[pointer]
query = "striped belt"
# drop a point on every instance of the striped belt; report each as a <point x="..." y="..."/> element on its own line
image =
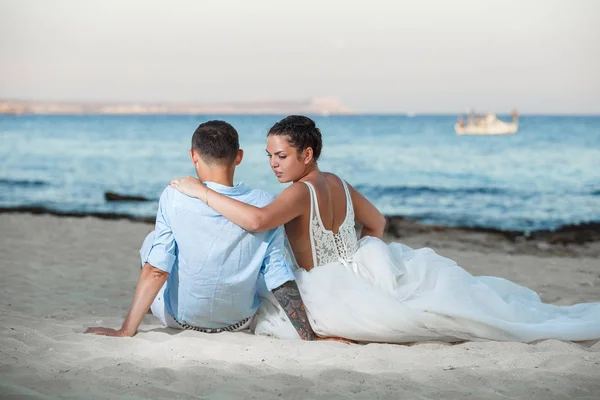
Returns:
<point x="229" y="328"/>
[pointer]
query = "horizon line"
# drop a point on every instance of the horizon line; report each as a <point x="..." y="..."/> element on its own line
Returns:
<point x="327" y="115"/>
<point x="324" y="112"/>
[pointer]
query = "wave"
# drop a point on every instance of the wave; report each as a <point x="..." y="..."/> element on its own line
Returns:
<point x="382" y="190"/>
<point x="418" y="190"/>
<point x="22" y="182"/>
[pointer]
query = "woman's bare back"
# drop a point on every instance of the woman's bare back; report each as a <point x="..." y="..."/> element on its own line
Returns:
<point x="331" y="198"/>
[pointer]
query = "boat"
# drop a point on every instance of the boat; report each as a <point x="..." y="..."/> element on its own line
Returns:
<point x="488" y="124"/>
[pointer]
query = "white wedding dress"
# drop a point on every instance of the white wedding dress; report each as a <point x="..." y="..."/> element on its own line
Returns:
<point x="369" y="291"/>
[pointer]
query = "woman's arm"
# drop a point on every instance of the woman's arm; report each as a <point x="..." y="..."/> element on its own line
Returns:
<point x="367" y="215"/>
<point x="287" y="206"/>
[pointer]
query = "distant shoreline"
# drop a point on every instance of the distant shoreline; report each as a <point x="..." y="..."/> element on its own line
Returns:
<point x="318" y="106"/>
<point x="279" y="114"/>
<point x="327" y="106"/>
<point x="397" y="227"/>
<point x="283" y="113"/>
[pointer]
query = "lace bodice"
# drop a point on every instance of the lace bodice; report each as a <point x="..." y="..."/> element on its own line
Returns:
<point x="328" y="246"/>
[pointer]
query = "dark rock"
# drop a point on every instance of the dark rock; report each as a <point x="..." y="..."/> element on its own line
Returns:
<point x="111" y="196"/>
<point x="570" y="234"/>
<point x="399" y="226"/>
<point x="38" y="210"/>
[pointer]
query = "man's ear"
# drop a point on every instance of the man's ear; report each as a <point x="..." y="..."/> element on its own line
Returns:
<point x="194" y="156"/>
<point x="308" y="155"/>
<point x="239" y="157"/>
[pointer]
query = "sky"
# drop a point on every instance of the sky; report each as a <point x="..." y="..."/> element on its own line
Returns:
<point x="540" y="56"/>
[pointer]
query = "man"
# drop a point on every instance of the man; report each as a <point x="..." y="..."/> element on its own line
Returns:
<point x="200" y="271"/>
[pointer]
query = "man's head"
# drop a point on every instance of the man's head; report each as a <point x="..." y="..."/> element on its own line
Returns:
<point x="215" y="145"/>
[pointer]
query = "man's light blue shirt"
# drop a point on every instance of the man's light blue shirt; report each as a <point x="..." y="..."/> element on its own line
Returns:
<point x="214" y="265"/>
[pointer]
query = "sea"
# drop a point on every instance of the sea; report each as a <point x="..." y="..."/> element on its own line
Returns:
<point x="545" y="176"/>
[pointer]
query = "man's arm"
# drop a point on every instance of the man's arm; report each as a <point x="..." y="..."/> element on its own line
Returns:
<point x="149" y="284"/>
<point x="288" y="296"/>
<point x="158" y="263"/>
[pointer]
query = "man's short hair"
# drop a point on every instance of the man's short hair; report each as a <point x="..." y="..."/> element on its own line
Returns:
<point x="216" y="142"/>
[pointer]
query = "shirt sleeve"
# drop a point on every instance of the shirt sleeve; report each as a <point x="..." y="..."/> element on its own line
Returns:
<point x="163" y="253"/>
<point x="276" y="269"/>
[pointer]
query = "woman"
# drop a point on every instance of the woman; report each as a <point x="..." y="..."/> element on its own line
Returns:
<point x="369" y="291"/>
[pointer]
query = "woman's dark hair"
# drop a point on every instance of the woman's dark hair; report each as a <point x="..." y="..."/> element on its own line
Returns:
<point x="301" y="133"/>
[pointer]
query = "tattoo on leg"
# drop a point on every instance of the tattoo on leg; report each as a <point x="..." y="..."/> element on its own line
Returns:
<point x="288" y="296"/>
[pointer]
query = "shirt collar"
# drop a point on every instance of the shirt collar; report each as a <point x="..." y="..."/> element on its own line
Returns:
<point x="217" y="187"/>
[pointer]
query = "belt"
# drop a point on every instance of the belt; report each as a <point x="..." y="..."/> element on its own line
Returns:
<point x="229" y="328"/>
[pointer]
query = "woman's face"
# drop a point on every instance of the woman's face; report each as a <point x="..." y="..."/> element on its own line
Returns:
<point x="284" y="159"/>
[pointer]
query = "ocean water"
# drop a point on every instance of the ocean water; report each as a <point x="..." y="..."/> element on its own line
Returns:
<point x="545" y="176"/>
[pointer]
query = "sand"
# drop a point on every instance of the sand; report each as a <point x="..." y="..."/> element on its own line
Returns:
<point x="60" y="275"/>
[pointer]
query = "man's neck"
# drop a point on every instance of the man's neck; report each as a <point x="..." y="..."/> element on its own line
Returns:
<point x="221" y="176"/>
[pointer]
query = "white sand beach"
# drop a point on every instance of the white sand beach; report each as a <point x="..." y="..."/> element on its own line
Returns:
<point x="60" y="275"/>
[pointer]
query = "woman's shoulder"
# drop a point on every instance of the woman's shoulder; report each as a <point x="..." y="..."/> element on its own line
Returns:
<point x="328" y="178"/>
<point x="296" y="189"/>
<point x="333" y="178"/>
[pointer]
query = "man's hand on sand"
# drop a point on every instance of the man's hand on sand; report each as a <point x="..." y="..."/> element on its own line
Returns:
<point x="98" y="330"/>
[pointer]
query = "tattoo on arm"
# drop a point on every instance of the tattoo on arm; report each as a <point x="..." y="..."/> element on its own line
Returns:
<point x="288" y="296"/>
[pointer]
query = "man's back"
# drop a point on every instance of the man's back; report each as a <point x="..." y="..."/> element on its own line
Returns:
<point x="213" y="264"/>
